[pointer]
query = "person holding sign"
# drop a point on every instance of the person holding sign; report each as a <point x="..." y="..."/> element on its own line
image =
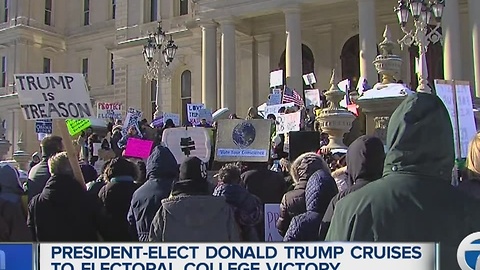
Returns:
<point x="471" y="183"/>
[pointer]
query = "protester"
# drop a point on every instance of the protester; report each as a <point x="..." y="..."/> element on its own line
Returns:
<point x="88" y="171"/>
<point x="12" y="189"/>
<point x="93" y="143"/>
<point x="267" y="185"/>
<point x="203" y="123"/>
<point x="12" y="222"/>
<point x="142" y="171"/>
<point x="293" y="202"/>
<point x="471" y="185"/>
<point x="116" y="196"/>
<point x="341" y="178"/>
<point x="63" y="212"/>
<point x="191" y="214"/>
<point x="285" y="169"/>
<point x="161" y="171"/>
<point x="320" y="189"/>
<point x="35" y="160"/>
<point x="252" y="114"/>
<point x="132" y="133"/>
<point x="248" y="208"/>
<point x="39" y="174"/>
<point x="116" y="137"/>
<point x="169" y="124"/>
<point x="365" y="158"/>
<point x="94" y="187"/>
<point x="233" y="116"/>
<point x="414" y="201"/>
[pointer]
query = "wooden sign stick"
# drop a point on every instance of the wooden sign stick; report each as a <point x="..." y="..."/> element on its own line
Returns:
<point x="71" y="151"/>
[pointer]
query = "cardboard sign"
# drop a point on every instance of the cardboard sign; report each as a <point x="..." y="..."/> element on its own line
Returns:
<point x="243" y="140"/>
<point x="312" y="98"/>
<point x="43" y="126"/>
<point x="273" y="109"/>
<point x="457" y="99"/>
<point x="138" y="148"/>
<point x="107" y="110"/>
<point x="289" y="122"/>
<point x="274" y="99"/>
<point x="276" y="78"/>
<point x="309" y="79"/>
<point x="53" y="96"/>
<point x="192" y="112"/>
<point x="344" y="85"/>
<point x="205" y="114"/>
<point x="193" y="141"/>
<point x="272" y="213"/>
<point x="76" y="126"/>
<point x="175" y="118"/>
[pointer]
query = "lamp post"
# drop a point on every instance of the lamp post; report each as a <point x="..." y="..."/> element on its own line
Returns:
<point x="427" y="17"/>
<point x="158" y="54"/>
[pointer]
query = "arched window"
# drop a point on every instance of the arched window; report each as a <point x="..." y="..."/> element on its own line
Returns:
<point x="186" y="92"/>
<point x="308" y="63"/>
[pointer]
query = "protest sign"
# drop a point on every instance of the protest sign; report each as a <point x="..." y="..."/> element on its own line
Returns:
<point x="76" y="126"/>
<point x="96" y="147"/>
<point x="344" y="85"/>
<point x="271" y="215"/>
<point x="192" y="112"/>
<point x="138" y="148"/>
<point x="44" y="126"/>
<point x="273" y="109"/>
<point x="274" y="98"/>
<point x="241" y="140"/>
<point x="205" y="114"/>
<point x="309" y="79"/>
<point x="276" y="78"/>
<point x="312" y="98"/>
<point x="289" y="122"/>
<point x="41" y="136"/>
<point x="53" y="96"/>
<point x="175" y="118"/>
<point x="457" y="98"/>
<point x="106" y="110"/>
<point x="131" y="120"/>
<point x="183" y="142"/>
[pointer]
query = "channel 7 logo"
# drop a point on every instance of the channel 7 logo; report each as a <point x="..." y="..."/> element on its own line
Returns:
<point x="17" y="257"/>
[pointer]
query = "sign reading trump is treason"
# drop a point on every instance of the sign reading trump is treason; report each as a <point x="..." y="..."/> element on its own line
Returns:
<point x="53" y="96"/>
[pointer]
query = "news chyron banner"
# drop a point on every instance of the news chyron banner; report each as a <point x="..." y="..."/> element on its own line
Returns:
<point x="226" y="256"/>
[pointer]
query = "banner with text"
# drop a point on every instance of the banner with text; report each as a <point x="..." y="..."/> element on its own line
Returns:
<point x="106" y="110"/>
<point x="193" y="111"/>
<point x="53" y="96"/>
<point x="273" y="109"/>
<point x="289" y="122"/>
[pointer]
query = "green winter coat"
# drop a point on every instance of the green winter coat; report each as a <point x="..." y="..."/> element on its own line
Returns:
<point x="414" y="201"/>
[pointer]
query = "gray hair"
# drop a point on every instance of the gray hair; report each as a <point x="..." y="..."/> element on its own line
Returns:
<point x="59" y="164"/>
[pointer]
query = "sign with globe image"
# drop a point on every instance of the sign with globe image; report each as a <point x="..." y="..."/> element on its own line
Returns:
<point x="243" y="140"/>
<point x="243" y="134"/>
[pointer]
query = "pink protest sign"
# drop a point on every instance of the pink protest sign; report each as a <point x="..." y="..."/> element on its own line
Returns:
<point x="138" y="148"/>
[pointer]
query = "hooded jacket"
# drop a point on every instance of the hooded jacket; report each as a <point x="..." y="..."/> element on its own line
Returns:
<point x="293" y="202"/>
<point x="414" y="201"/>
<point x="191" y="214"/>
<point x="321" y="187"/>
<point x="63" y="212"/>
<point x="162" y="171"/>
<point x="12" y="223"/>
<point x="365" y="158"/>
<point x="10" y="187"/>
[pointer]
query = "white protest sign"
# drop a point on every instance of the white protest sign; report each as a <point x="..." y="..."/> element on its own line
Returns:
<point x="198" y="137"/>
<point x="344" y="85"/>
<point x="192" y="112"/>
<point x="205" y="114"/>
<point x="276" y="78"/>
<point x="53" y="96"/>
<point x="463" y="123"/>
<point x="107" y="110"/>
<point x="131" y="120"/>
<point x="361" y="85"/>
<point x="272" y="213"/>
<point x="174" y="116"/>
<point x="273" y="109"/>
<point x="289" y="122"/>
<point x="309" y="79"/>
<point x="312" y="97"/>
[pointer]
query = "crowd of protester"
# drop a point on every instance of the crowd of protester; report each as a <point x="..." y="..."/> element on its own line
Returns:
<point x="401" y="195"/>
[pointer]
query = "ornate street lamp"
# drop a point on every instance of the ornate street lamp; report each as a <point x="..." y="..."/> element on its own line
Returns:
<point x="425" y="31"/>
<point x="158" y="54"/>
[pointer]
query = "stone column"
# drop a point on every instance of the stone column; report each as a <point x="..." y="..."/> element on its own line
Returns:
<point x="452" y="58"/>
<point x="368" y="39"/>
<point x="293" y="55"/>
<point x="4" y="143"/>
<point x="209" y="65"/>
<point x="228" y="66"/>
<point x="474" y="11"/>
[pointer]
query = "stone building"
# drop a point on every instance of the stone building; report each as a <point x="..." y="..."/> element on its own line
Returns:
<point x="226" y="48"/>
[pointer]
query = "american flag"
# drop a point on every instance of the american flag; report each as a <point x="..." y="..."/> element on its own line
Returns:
<point x="290" y="95"/>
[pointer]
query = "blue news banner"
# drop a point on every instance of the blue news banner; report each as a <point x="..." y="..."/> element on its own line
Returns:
<point x="229" y="256"/>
